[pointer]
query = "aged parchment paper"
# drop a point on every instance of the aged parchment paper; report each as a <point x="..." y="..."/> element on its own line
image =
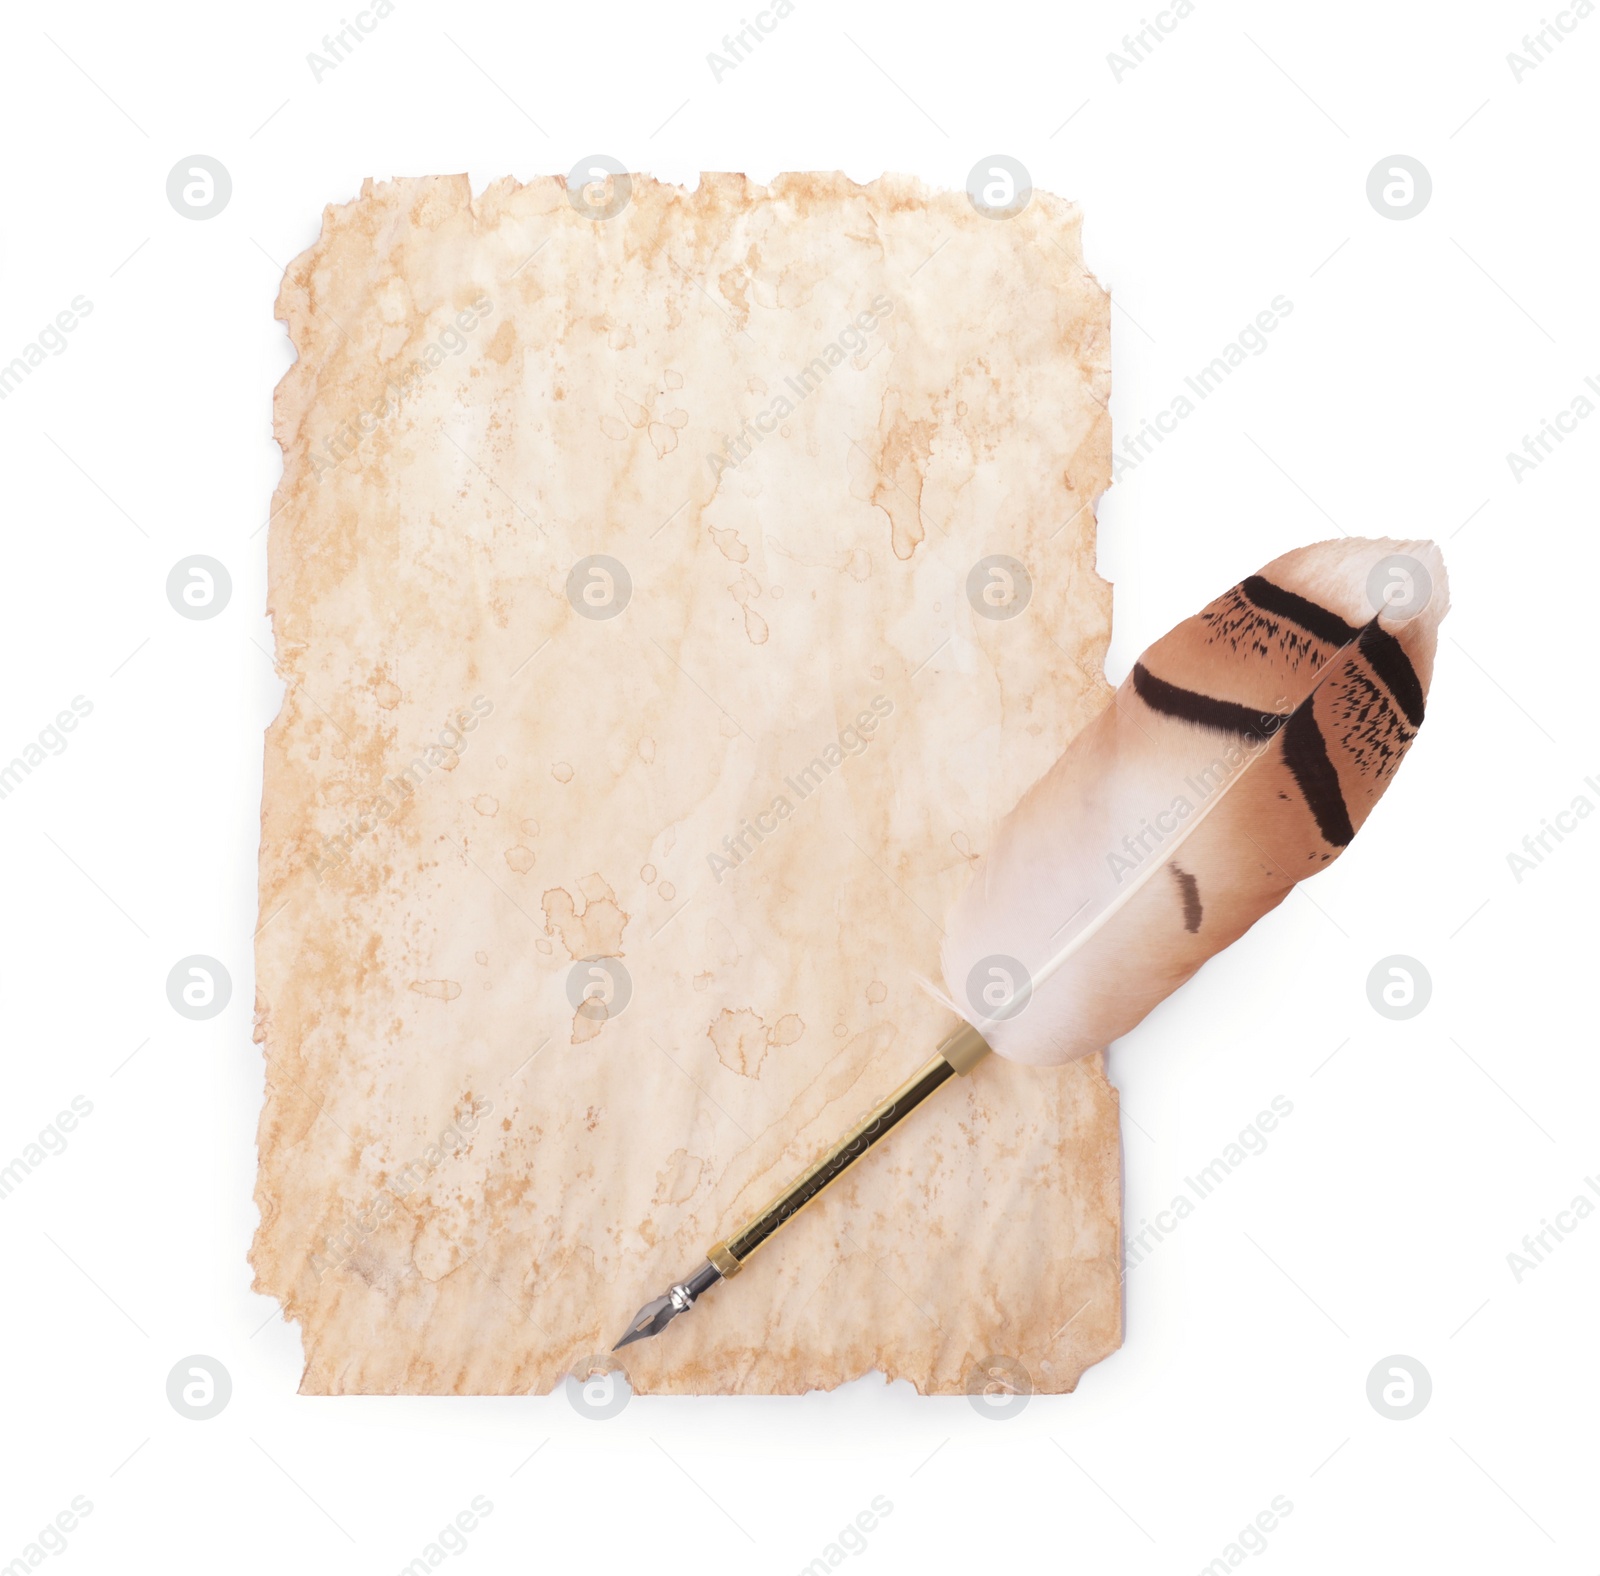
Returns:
<point x="791" y="420"/>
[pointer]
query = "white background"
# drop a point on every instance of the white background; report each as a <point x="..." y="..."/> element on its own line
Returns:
<point x="1228" y="168"/>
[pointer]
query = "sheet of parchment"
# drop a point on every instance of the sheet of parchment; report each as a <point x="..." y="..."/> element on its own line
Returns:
<point x="720" y="797"/>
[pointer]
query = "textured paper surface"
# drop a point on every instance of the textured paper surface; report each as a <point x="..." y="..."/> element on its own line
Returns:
<point x="467" y="1186"/>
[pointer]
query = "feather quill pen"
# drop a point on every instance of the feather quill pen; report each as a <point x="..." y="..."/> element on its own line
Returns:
<point x="1242" y="754"/>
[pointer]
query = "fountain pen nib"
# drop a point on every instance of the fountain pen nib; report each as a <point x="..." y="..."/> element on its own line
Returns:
<point x="650" y="1320"/>
<point x="660" y="1311"/>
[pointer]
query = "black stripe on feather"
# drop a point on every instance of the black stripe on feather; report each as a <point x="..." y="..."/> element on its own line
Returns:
<point x="1325" y="624"/>
<point x="1388" y="659"/>
<point x="1306" y="756"/>
<point x="1205" y="711"/>
<point x="1189" y="892"/>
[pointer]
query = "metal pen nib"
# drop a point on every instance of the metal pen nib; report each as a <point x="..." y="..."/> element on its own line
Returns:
<point x="958" y="1055"/>
<point x="660" y="1311"/>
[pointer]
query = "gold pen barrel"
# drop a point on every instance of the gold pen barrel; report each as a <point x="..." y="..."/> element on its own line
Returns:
<point x="958" y="1055"/>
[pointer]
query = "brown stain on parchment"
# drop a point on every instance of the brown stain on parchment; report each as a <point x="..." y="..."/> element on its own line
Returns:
<point x="742" y="1040"/>
<point x="678" y="1180"/>
<point x="595" y="931"/>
